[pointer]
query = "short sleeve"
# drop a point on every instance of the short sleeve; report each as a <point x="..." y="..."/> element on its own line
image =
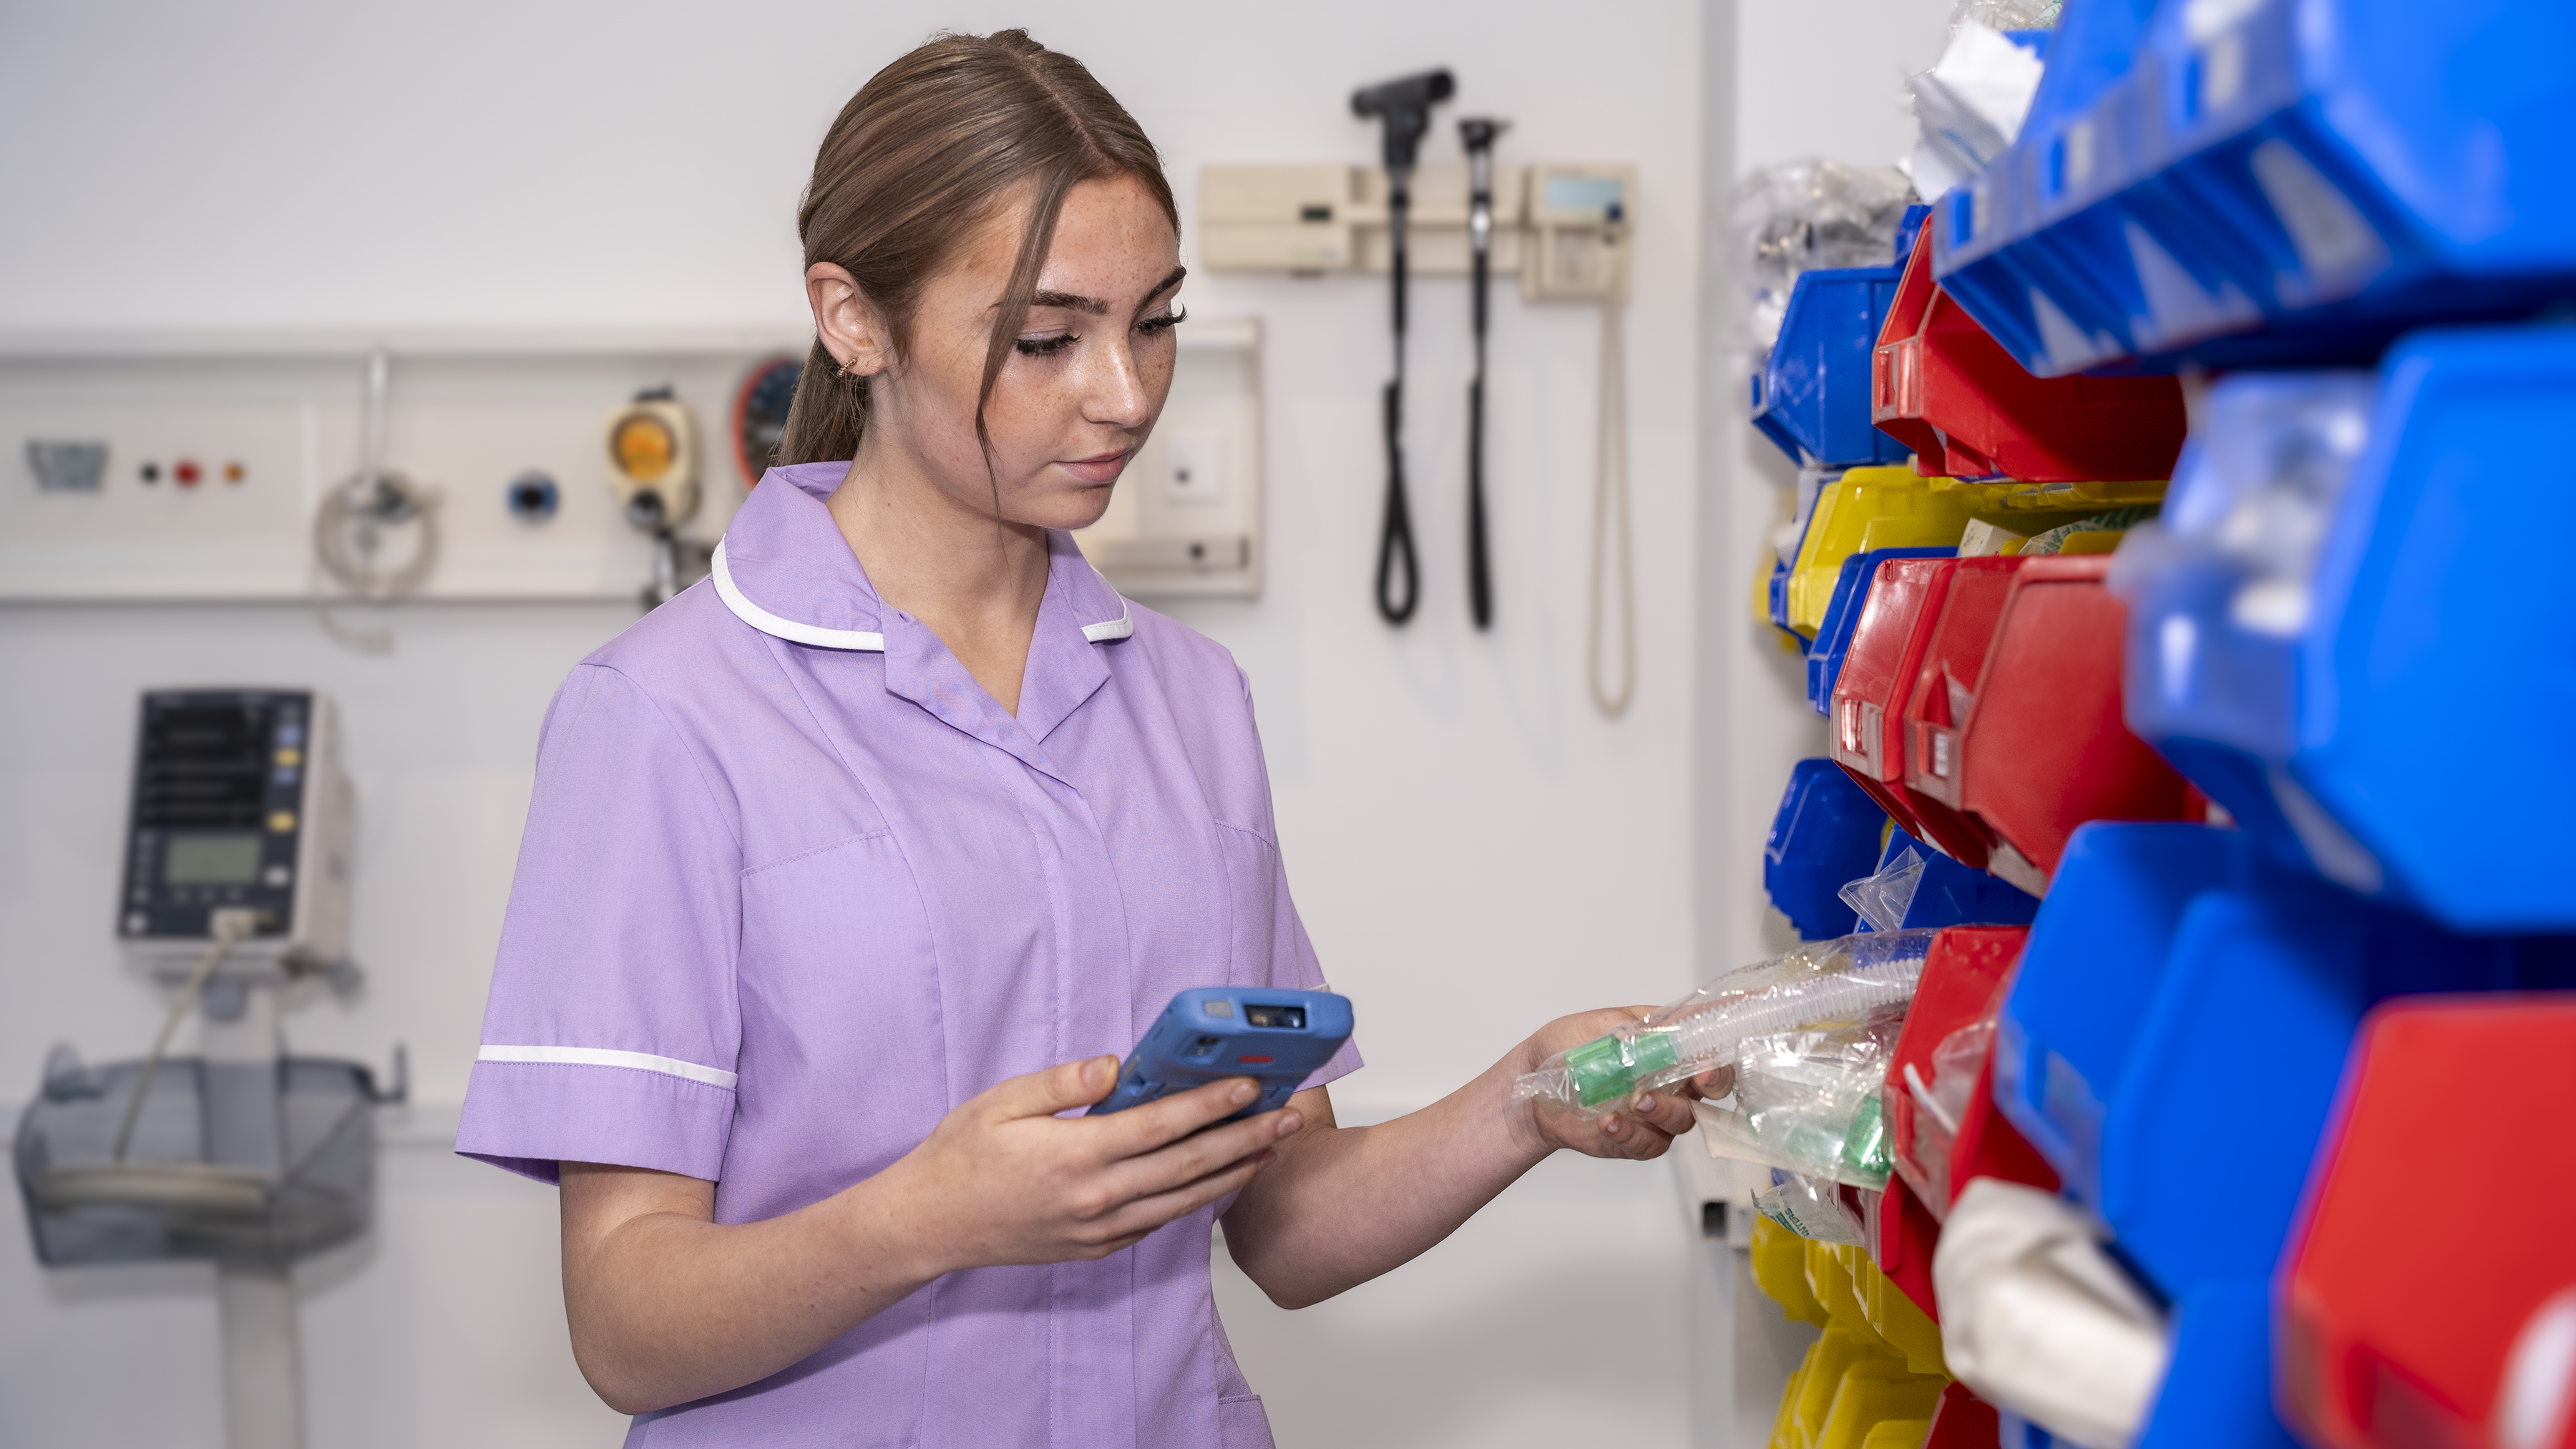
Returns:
<point x="1293" y="964"/>
<point x="612" y="1031"/>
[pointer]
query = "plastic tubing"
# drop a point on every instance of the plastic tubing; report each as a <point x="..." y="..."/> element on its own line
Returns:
<point x="1612" y="1066"/>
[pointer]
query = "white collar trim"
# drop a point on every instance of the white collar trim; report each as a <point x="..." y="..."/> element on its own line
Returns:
<point x="861" y="640"/>
<point x="1108" y="629"/>
<point x="787" y="629"/>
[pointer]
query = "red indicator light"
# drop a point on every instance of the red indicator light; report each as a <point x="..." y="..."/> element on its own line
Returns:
<point x="187" y="473"/>
<point x="1256" y="1061"/>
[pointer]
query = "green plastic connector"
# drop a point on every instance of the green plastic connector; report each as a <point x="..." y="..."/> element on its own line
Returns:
<point x="1653" y="1052"/>
<point x="1867" y="1151"/>
<point x="1605" y="1068"/>
<point x="1600" y="1071"/>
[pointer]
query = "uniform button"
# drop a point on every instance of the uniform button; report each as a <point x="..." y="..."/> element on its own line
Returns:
<point x="282" y="822"/>
<point x="276" y="877"/>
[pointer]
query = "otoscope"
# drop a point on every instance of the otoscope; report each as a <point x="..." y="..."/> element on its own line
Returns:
<point x="1405" y="105"/>
<point x="1478" y="134"/>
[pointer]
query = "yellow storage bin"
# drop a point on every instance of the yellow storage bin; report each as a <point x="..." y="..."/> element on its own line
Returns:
<point x="1780" y="1271"/>
<point x="1906" y="1328"/>
<point x="1874" y="1393"/>
<point x="1783" y="1433"/>
<point x="1864" y="509"/>
<point x="1827" y="1365"/>
<point x="1897" y="1434"/>
<point x="1829" y="1275"/>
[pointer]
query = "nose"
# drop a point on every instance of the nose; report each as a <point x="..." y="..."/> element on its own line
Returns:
<point x="1117" y="393"/>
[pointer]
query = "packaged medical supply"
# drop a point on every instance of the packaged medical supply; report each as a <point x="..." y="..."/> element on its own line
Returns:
<point x="2040" y="1322"/>
<point x="1813" y="215"/>
<point x="1806" y="1035"/>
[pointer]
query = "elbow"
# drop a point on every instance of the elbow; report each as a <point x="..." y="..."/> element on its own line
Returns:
<point x="1287" y="1290"/>
<point x="621" y="1386"/>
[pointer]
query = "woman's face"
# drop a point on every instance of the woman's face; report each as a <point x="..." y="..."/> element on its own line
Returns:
<point x="1084" y="380"/>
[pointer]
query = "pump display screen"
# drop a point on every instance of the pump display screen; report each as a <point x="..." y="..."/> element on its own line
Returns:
<point x="211" y="860"/>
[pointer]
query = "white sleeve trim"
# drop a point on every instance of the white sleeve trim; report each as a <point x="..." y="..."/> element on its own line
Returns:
<point x="787" y="629"/>
<point x="603" y="1057"/>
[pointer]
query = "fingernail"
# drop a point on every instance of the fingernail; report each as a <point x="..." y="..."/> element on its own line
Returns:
<point x="1289" y="1122"/>
<point x="1609" y="1126"/>
<point x="1244" y="1092"/>
<point x="1646" y="1103"/>
<point x="1267" y="1157"/>
<point x="1095" y="1072"/>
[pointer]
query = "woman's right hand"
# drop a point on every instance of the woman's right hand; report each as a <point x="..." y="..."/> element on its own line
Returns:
<point x="1003" y="1179"/>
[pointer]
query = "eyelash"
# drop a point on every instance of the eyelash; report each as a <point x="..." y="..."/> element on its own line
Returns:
<point x="1041" y="346"/>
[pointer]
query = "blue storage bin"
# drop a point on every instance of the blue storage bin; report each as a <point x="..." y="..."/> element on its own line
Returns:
<point x="2097" y="954"/>
<point x="1812" y="397"/>
<point x="1842" y="617"/>
<point x="2367" y="709"/>
<point x="2297" y="182"/>
<point x="1825" y="836"/>
<point x="1951" y="894"/>
<point x="2217" y="1392"/>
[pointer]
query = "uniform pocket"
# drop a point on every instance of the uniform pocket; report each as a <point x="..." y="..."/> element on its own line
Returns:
<point x="1241" y="1423"/>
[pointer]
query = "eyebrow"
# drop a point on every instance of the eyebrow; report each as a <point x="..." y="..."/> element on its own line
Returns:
<point x="1093" y="306"/>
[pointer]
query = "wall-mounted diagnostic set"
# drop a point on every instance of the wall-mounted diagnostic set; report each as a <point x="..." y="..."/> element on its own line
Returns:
<point x="1564" y="227"/>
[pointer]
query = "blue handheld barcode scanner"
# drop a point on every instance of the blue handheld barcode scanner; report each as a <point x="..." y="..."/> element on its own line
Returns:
<point x="1277" y="1038"/>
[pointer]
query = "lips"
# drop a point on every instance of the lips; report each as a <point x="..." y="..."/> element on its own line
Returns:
<point x="1104" y="468"/>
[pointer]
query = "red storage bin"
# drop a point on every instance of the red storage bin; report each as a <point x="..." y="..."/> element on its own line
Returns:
<point x="1963" y="1421"/>
<point x="1990" y="1146"/>
<point x="1962" y="982"/>
<point x="2399" y="1312"/>
<point x="1868" y="738"/>
<point x="1943" y="387"/>
<point x="1945" y="681"/>
<point x="1902" y="1235"/>
<point x="2044" y="748"/>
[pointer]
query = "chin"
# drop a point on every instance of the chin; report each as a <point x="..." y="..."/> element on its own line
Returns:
<point x="1070" y="510"/>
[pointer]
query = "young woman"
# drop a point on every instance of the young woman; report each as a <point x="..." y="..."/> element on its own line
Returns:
<point x="853" y="867"/>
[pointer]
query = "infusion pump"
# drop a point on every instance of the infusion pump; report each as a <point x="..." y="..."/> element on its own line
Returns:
<point x="239" y="803"/>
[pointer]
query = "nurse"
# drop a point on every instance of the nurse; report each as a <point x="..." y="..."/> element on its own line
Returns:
<point x="852" y="867"/>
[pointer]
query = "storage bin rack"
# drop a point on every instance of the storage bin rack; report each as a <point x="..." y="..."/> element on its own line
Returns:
<point x="2250" y="947"/>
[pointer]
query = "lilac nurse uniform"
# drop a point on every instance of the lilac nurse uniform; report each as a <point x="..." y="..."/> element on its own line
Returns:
<point x="794" y="886"/>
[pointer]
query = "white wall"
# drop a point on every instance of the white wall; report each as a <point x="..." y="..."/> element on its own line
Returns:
<point x="1474" y="849"/>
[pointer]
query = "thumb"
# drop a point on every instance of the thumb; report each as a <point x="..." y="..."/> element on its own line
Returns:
<point x="1057" y="1089"/>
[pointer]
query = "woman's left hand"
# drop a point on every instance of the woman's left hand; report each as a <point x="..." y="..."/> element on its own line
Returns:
<point x="1640" y="1127"/>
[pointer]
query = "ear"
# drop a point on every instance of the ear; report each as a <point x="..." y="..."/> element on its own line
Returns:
<point x="847" y="325"/>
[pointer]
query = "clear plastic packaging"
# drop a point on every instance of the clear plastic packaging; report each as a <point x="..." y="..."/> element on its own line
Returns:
<point x="2006" y="14"/>
<point x="1969" y="106"/>
<point x="1809" y="215"/>
<point x="2255" y="491"/>
<point x="1942" y="1103"/>
<point x="1883" y="898"/>
<point x="1807" y="1035"/>
<point x="1811" y="1207"/>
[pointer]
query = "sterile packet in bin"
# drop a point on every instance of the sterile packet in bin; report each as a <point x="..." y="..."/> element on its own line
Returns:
<point x="1811" y="1207"/>
<point x="1940" y="1104"/>
<point x="1807" y="1035"/>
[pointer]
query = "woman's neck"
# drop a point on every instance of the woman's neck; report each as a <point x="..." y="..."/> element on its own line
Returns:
<point x="974" y="581"/>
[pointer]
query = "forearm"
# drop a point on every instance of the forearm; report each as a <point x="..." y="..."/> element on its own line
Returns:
<point x="666" y="1307"/>
<point x="1345" y="1204"/>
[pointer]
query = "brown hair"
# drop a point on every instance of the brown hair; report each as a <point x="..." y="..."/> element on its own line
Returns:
<point x="930" y="149"/>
